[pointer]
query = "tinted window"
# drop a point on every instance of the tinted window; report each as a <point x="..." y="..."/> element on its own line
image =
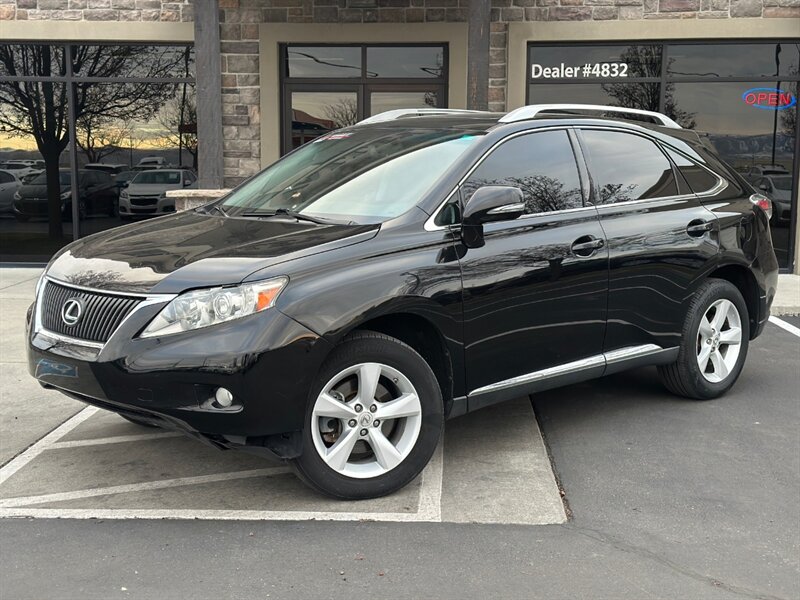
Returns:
<point x="542" y="165"/>
<point x="697" y="177"/>
<point x="6" y="177"/>
<point x="627" y="167"/>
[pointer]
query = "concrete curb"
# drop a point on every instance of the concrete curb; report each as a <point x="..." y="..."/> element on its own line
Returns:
<point x="787" y="298"/>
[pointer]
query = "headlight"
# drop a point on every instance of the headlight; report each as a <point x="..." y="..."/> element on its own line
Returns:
<point x="202" y="308"/>
<point x="17" y="196"/>
<point x="124" y="194"/>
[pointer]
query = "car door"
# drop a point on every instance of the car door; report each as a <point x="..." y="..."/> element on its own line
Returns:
<point x="535" y="294"/>
<point x="660" y="239"/>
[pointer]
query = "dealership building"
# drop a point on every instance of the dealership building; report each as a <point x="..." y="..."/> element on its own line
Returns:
<point x="225" y="87"/>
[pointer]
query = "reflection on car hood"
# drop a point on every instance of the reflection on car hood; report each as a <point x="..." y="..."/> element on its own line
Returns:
<point x="190" y="250"/>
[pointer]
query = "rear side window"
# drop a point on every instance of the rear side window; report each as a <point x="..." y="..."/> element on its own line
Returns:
<point x="627" y="167"/>
<point x="698" y="178"/>
<point x="541" y="164"/>
<point x="6" y="177"/>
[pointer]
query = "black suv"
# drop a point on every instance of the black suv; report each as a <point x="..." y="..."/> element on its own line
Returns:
<point x="336" y="308"/>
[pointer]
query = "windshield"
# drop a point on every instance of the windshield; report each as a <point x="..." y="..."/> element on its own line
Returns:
<point x="363" y="176"/>
<point x="782" y="183"/>
<point x="162" y="177"/>
<point x="41" y="179"/>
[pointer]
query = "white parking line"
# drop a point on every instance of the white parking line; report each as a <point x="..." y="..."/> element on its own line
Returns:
<point x="784" y="325"/>
<point x="36" y="449"/>
<point x="429" y="508"/>
<point x="139" y="487"/>
<point x="117" y="439"/>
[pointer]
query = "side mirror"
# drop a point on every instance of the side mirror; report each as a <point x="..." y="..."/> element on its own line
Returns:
<point x="494" y="203"/>
<point x="489" y="204"/>
<point x="186" y="183"/>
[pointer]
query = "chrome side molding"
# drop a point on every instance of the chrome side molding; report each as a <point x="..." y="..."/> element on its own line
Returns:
<point x="613" y="357"/>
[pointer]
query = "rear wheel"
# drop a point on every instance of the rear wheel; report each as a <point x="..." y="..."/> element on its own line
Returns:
<point x="716" y="333"/>
<point x="374" y="419"/>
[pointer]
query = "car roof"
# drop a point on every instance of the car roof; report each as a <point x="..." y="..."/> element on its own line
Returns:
<point x="484" y="121"/>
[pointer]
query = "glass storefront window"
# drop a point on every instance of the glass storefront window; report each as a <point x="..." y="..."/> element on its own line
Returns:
<point x="635" y="60"/>
<point x="743" y="95"/>
<point x="317" y="113"/>
<point x="644" y="96"/>
<point x="391" y="77"/>
<point x="714" y="61"/>
<point x="382" y="101"/>
<point x="323" y="61"/>
<point x="137" y="111"/>
<point x="405" y="61"/>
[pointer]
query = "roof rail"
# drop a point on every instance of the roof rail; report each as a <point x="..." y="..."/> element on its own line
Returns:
<point x="532" y="111"/>
<point x="391" y="115"/>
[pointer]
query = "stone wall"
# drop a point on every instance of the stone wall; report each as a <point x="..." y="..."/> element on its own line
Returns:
<point x="240" y="46"/>
<point x="96" y="10"/>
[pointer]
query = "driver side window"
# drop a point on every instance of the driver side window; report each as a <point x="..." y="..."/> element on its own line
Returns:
<point x="541" y="164"/>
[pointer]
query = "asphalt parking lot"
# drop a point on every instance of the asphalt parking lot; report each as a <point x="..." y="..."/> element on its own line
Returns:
<point x="665" y="498"/>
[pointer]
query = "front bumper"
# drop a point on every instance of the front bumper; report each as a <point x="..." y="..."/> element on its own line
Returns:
<point x="266" y="360"/>
<point x="134" y="206"/>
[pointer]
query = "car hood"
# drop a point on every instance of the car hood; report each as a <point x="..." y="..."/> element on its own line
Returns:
<point x="150" y="189"/>
<point x="192" y="250"/>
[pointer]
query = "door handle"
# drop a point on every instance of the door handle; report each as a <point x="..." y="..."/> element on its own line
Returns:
<point x="587" y="245"/>
<point x="698" y="227"/>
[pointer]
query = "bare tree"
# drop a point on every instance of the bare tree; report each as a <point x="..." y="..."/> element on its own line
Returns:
<point x="343" y="112"/>
<point x="645" y="61"/>
<point x="38" y="109"/>
<point x="178" y="118"/>
<point x="99" y="136"/>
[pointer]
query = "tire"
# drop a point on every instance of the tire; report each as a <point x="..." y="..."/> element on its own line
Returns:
<point x="140" y="422"/>
<point x="358" y="471"/>
<point x="725" y="360"/>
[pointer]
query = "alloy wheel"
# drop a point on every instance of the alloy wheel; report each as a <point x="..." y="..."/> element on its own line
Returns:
<point x="366" y="420"/>
<point x="719" y="340"/>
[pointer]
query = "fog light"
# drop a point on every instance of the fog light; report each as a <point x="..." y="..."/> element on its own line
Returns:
<point x="223" y="397"/>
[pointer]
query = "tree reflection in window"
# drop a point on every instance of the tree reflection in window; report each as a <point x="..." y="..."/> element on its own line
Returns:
<point x="541" y="164"/>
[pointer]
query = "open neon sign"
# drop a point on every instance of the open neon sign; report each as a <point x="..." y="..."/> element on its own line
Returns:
<point x="769" y="98"/>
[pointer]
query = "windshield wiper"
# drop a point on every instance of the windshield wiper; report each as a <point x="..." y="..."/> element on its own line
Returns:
<point x="294" y="215"/>
<point x="207" y="210"/>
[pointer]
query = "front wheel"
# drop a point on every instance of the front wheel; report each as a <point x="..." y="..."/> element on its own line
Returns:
<point x="373" y="421"/>
<point x="714" y="344"/>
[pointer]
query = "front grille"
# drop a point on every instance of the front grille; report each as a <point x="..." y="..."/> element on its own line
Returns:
<point x="143" y="200"/>
<point x="101" y="315"/>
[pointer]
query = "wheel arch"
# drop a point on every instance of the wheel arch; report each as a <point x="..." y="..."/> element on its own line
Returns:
<point x="741" y="277"/>
<point x="421" y="334"/>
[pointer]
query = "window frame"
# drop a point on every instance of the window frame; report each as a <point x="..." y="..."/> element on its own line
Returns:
<point x="362" y="85"/>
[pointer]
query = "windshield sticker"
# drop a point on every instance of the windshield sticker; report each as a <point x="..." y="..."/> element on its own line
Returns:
<point x="333" y="136"/>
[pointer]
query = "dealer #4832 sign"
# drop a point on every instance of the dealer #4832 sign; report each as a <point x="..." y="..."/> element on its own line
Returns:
<point x="769" y="98"/>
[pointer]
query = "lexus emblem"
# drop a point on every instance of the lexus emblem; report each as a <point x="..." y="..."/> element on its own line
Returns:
<point x="71" y="311"/>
